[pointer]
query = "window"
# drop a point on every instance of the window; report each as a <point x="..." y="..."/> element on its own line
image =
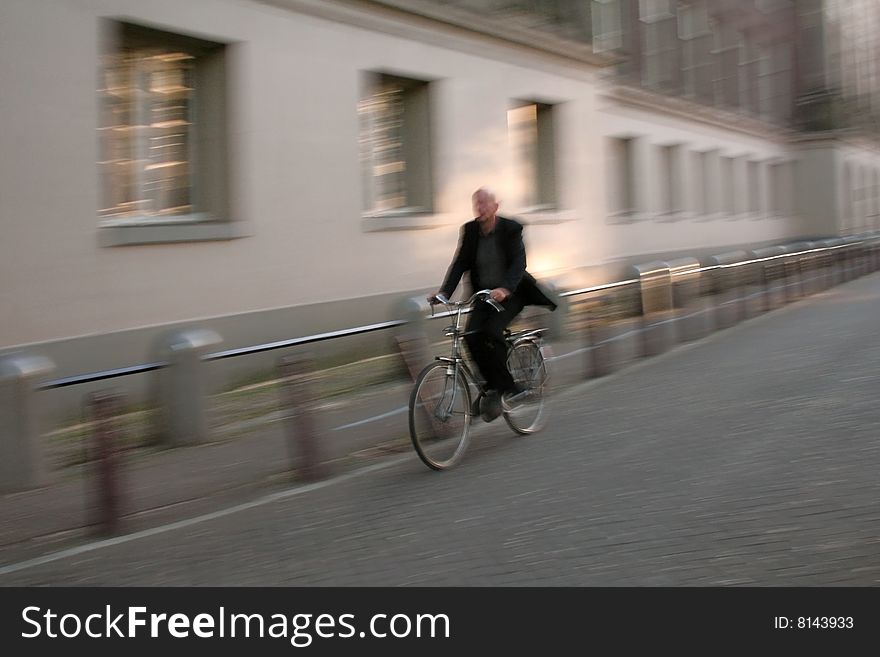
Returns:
<point x="860" y="196"/>
<point x="670" y="173"/>
<point x="660" y="58"/>
<point x="848" y="194"/>
<point x="621" y="167"/>
<point x="699" y="196"/>
<point x="729" y="186"/>
<point x="780" y="188"/>
<point x="607" y="26"/>
<point x="696" y="45"/>
<point x="775" y="181"/>
<point x="752" y="64"/>
<point x="162" y="132"/>
<point x="727" y="57"/>
<point x="754" y="186"/>
<point x="875" y="195"/>
<point x="395" y="145"/>
<point x="708" y="164"/>
<point x="775" y="82"/>
<point x="531" y="133"/>
<point x="569" y="19"/>
<point x="655" y="9"/>
<point x="693" y="20"/>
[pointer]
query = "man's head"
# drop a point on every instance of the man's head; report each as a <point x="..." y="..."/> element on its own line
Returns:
<point x="485" y="205"/>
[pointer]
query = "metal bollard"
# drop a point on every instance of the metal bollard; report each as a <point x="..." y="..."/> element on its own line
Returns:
<point x="771" y="273"/>
<point x="657" y="326"/>
<point x="690" y="308"/>
<point x="107" y="492"/>
<point x="298" y="397"/>
<point x="22" y="459"/>
<point x="729" y="292"/>
<point x="598" y="355"/>
<point x="797" y="270"/>
<point x="412" y="337"/>
<point x="413" y="348"/>
<point x="183" y="384"/>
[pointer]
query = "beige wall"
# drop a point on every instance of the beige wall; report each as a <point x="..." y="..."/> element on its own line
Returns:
<point x="651" y="229"/>
<point x="309" y="260"/>
<point x="294" y="74"/>
<point x="295" y="182"/>
<point x="838" y="186"/>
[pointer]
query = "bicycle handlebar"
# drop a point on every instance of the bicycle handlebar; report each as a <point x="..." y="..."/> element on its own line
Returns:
<point x="476" y="296"/>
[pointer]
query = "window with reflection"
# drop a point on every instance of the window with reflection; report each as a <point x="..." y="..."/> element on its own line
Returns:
<point x="621" y="176"/>
<point x="531" y="137"/>
<point x="395" y="144"/>
<point x="149" y="85"/>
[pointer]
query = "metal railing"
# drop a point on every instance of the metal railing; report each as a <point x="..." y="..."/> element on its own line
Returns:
<point x="93" y="377"/>
<point x="219" y="355"/>
<point x="664" y="317"/>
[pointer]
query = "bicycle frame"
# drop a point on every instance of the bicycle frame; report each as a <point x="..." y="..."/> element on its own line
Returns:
<point x="453" y="379"/>
<point x="455" y="331"/>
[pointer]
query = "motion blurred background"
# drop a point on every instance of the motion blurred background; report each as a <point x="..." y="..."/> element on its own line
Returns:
<point x="268" y="169"/>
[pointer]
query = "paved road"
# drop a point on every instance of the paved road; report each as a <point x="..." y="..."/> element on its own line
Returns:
<point x="749" y="458"/>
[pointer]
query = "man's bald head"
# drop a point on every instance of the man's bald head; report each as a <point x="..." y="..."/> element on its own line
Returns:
<point x="485" y="204"/>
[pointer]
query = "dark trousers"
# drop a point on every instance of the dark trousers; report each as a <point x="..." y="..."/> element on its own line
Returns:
<point x="485" y="341"/>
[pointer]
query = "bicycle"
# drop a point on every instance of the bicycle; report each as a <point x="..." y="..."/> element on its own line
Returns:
<point x="440" y="406"/>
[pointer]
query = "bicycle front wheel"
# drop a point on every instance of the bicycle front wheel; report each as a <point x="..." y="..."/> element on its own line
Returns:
<point x="440" y="415"/>
<point x="529" y="370"/>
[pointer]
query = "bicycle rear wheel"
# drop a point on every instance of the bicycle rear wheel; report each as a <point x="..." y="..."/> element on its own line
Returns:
<point x="529" y="370"/>
<point x="440" y="415"/>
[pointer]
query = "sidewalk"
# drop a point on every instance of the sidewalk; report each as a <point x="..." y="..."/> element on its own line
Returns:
<point x="248" y="459"/>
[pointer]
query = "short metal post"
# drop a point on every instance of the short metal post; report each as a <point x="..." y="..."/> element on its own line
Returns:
<point x="412" y="338"/>
<point x="686" y="303"/>
<point x="657" y="303"/>
<point x="413" y="348"/>
<point x="22" y="459"/>
<point x="599" y="349"/>
<point x="105" y="408"/>
<point x="298" y="396"/>
<point x="183" y="387"/>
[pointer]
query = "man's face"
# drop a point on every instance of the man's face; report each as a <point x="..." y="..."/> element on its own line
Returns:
<point x="485" y="205"/>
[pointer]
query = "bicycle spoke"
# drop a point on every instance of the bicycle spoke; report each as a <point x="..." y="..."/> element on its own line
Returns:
<point x="529" y="371"/>
<point x="439" y="416"/>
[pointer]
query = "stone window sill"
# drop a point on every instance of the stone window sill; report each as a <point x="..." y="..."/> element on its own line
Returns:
<point x="168" y="231"/>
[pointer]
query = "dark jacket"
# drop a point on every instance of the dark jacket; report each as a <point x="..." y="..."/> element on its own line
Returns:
<point x="516" y="279"/>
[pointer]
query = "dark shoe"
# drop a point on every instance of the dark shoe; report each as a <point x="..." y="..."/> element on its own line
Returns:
<point x="477" y="404"/>
<point x="490" y="406"/>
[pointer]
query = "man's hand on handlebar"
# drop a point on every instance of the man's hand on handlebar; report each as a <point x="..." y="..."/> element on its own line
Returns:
<point x="492" y="297"/>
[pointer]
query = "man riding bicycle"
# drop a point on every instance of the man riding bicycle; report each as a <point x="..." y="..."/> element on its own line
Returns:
<point x="491" y="248"/>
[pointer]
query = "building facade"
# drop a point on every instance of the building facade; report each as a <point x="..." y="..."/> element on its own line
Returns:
<point x="756" y="110"/>
<point x="274" y="168"/>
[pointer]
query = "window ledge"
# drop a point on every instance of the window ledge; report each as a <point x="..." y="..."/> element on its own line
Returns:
<point x="623" y="217"/>
<point x="135" y="232"/>
<point x="709" y="216"/>
<point x="406" y="220"/>
<point x="656" y="18"/>
<point x="544" y="216"/>
<point x="689" y="215"/>
<point x="673" y="216"/>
